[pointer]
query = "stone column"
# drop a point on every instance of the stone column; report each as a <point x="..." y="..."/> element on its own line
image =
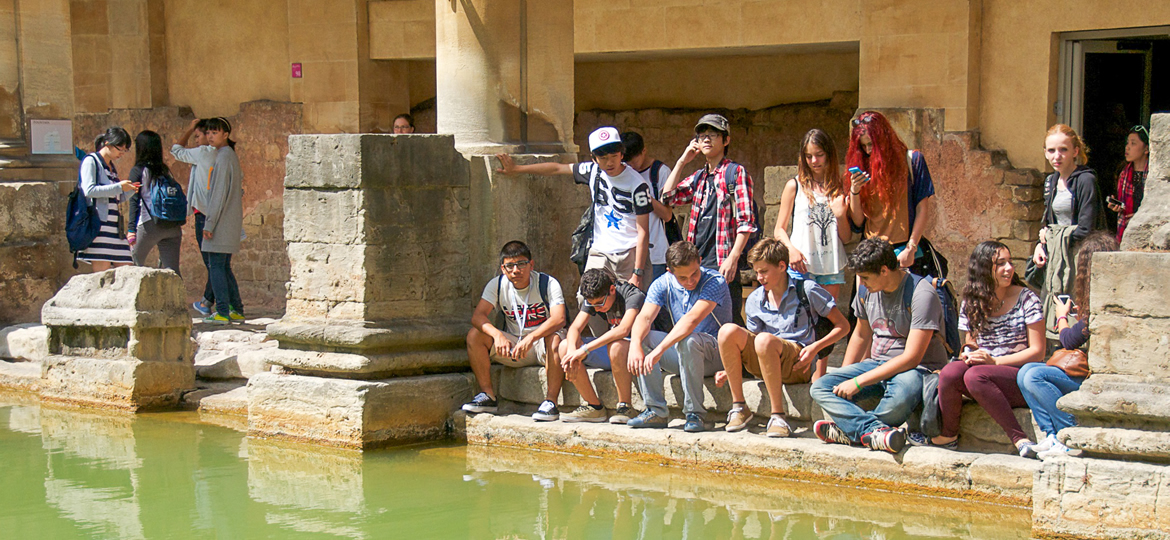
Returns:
<point x="378" y="295"/>
<point x="1120" y="488"/>
<point x="119" y="339"/>
<point x="504" y="71"/>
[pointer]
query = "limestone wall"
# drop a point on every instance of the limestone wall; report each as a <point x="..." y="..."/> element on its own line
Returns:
<point x="34" y="258"/>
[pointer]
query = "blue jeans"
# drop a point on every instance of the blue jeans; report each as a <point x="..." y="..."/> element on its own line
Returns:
<point x="223" y="283"/>
<point x="693" y="358"/>
<point x="208" y="294"/>
<point x="1041" y="386"/>
<point x="900" y="395"/>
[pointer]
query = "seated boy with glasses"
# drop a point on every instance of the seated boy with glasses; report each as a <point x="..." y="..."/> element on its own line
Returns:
<point x="618" y="301"/>
<point x="531" y="310"/>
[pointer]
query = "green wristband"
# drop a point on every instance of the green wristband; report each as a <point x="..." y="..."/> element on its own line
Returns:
<point x="857" y="384"/>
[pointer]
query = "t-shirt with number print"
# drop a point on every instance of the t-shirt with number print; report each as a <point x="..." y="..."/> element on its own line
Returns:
<point x="617" y="202"/>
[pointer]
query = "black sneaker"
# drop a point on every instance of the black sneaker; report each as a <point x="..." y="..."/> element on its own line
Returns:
<point x="481" y="403"/>
<point x="547" y="412"/>
<point x="887" y="439"/>
<point x="827" y="431"/>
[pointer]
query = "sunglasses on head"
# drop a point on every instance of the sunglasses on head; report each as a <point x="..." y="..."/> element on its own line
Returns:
<point x="1140" y="128"/>
<point x="863" y="119"/>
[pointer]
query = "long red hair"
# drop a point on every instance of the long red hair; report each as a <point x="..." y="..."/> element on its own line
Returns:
<point x="887" y="165"/>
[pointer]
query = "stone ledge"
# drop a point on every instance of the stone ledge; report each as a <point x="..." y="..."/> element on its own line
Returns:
<point x="398" y="335"/>
<point x="977" y="431"/>
<point x="20" y="376"/>
<point x="928" y="471"/>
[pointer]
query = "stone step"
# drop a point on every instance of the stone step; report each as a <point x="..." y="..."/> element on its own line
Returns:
<point x="927" y="471"/>
<point x="527" y="387"/>
<point x="20" y="376"/>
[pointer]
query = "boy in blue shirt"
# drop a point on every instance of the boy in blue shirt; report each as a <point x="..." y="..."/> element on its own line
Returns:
<point x="698" y="302"/>
<point x="780" y="344"/>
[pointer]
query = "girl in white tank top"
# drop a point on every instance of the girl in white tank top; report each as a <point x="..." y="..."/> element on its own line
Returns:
<point x="812" y="208"/>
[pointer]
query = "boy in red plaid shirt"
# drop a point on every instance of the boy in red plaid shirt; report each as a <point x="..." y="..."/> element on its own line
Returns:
<point x="720" y="194"/>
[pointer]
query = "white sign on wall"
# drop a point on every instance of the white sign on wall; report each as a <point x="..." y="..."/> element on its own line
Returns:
<point x="52" y="136"/>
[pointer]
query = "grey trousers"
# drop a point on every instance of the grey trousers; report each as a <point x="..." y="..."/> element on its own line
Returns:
<point x="169" y="240"/>
<point x="693" y="358"/>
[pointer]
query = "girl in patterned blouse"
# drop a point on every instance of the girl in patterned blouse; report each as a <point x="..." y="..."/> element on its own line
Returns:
<point x="1003" y="322"/>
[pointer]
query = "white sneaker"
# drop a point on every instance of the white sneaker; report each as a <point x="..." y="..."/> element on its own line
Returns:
<point x="1057" y="450"/>
<point x="1045" y="445"/>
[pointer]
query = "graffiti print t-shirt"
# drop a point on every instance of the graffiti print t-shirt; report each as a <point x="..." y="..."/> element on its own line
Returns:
<point x="617" y="202"/>
<point x="814" y="233"/>
<point x="524" y="309"/>
<point x="891" y="321"/>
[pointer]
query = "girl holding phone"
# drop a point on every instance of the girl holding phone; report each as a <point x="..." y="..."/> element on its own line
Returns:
<point x="102" y="188"/>
<point x="815" y="229"/>
<point x="889" y="194"/>
<point x="1042" y="385"/>
<point x="1131" y="183"/>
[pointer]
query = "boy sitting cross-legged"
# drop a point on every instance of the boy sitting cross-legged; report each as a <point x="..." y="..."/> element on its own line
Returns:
<point x="532" y="310"/>
<point x="618" y="301"/>
<point x="780" y="344"/>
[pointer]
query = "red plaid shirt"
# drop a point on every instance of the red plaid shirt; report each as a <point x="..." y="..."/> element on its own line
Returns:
<point x="730" y="220"/>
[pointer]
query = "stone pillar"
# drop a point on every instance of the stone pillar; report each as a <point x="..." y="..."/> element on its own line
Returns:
<point x="119" y="339"/>
<point x="372" y="341"/>
<point x="1121" y="487"/>
<point x="504" y="72"/>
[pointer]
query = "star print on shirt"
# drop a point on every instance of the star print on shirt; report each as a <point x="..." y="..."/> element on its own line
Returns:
<point x="612" y="219"/>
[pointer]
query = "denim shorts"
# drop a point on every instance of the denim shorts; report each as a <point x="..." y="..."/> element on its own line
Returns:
<point x="829" y="279"/>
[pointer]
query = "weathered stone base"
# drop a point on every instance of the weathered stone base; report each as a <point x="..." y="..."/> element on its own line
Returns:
<point x="353" y="413"/>
<point x="1101" y="499"/>
<point x="929" y="471"/>
<point x="977" y="431"/>
<point x="131" y="385"/>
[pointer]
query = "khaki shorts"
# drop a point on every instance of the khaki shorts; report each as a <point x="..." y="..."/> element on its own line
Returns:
<point x="789" y="356"/>
<point x="536" y="355"/>
<point x="622" y="264"/>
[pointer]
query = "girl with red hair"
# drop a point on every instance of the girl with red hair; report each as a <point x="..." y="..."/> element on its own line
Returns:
<point x="889" y="197"/>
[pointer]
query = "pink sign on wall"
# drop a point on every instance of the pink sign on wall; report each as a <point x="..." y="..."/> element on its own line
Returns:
<point x="296" y="70"/>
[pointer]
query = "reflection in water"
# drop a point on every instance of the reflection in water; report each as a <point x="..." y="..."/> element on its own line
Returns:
<point x="72" y="474"/>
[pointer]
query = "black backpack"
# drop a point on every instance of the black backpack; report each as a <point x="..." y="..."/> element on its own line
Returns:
<point x="733" y="170"/>
<point x="673" y="231"/>
<point x="821" y="325"/>
<point x="582" y="238"/>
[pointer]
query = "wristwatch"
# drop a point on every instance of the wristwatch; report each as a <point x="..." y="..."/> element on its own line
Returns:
<point x="639" y="272"/>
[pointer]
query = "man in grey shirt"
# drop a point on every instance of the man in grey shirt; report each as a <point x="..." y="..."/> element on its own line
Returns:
<point x="899" y="319"/>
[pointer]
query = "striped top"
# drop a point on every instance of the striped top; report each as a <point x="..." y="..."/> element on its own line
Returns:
<point x="1008" y="333"/>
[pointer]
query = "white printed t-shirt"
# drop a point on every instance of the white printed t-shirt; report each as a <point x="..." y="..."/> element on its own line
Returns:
<point x="658" y="243"/>
<point x="617" y="202"/>
<point x="524" y="309"/>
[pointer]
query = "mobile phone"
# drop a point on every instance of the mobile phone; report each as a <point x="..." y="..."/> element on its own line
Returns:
<point x="854" y="170"/>
<point x="1064" y="298"/>
<point x="1112" y="200"/>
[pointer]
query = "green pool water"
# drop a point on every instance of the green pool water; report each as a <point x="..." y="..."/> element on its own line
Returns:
<point x="82" y="474"/>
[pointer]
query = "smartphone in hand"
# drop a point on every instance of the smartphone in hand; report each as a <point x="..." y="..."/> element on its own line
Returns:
<point x="1113" y="200"/>
<point x="1064" y="298"/>
<point x="854" y="170"/>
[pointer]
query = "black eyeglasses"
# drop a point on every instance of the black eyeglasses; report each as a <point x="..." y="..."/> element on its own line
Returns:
<point x="515" y="265"/>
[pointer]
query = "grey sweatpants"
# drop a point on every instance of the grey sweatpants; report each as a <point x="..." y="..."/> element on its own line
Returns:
<point x="168" y="238"/>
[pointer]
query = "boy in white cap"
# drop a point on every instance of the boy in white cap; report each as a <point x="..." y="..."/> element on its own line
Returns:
<point x="621" y="205"/>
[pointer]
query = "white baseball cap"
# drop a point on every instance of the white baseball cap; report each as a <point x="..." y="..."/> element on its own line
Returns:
<point x="603" y="136"/>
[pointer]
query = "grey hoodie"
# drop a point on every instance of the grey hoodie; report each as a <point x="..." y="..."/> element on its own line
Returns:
<point x="225" y="204"/>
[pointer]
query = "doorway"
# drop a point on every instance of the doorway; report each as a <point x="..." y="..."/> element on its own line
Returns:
<point x="1110" y="82"/>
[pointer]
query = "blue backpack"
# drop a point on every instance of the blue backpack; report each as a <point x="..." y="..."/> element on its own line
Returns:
<point x="166" y="200"/>
<point x="81" y="221"/>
